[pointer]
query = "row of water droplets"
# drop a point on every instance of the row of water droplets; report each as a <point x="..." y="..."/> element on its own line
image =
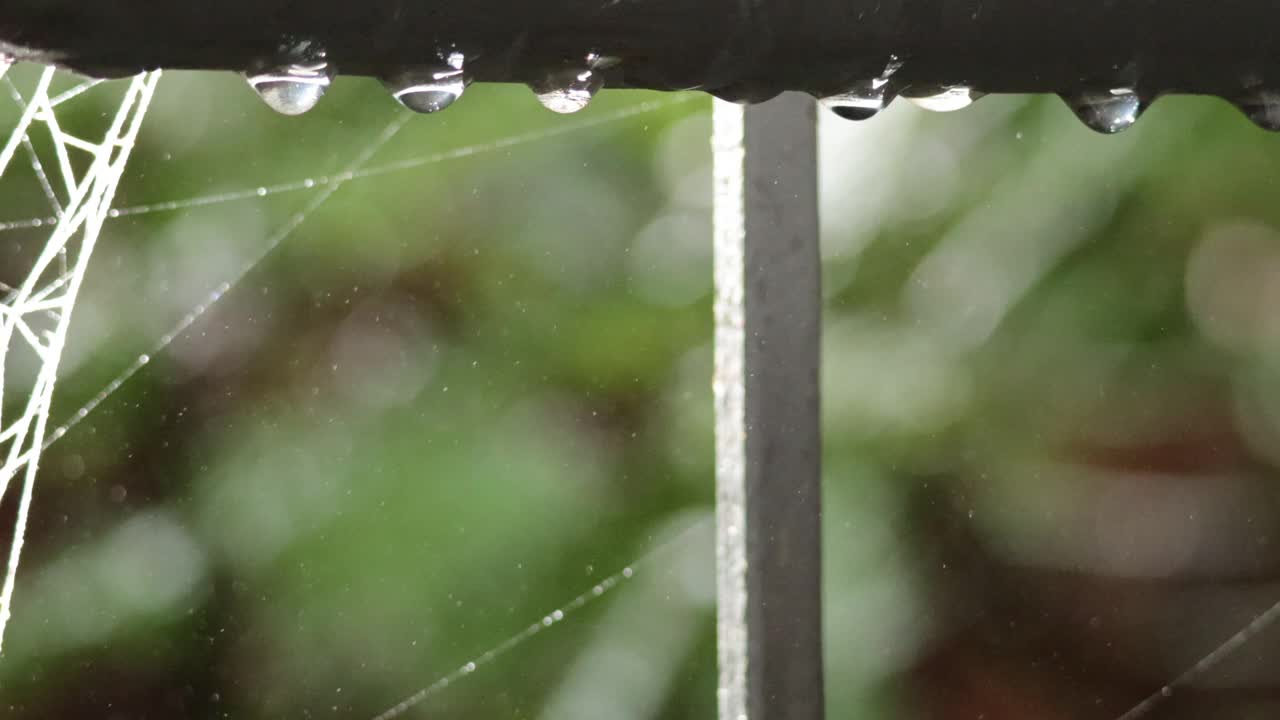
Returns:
<point x="1107" y="112"/>
<point x="298" y="76"/>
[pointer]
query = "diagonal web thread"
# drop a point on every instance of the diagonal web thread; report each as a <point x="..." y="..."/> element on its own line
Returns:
<point x="316" y="182"/>
<point x="25" y="455"/>
<point x="35" y="311"/>
<point x="678" y="541"/>
<point x="1200" y="669"/>
<point x="36" y="307"/>
<point x="326" y="186"/>
<point x="65" y="219"/>
<point x="491" y="655"/>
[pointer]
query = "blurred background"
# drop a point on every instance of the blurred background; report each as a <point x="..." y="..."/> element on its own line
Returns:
<point x="462" y="393"/>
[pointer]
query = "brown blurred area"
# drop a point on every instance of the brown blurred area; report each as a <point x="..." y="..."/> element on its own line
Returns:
<point x="1160" y="543"/>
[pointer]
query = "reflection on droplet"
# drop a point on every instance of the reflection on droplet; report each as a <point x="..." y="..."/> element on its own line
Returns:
<point x="432" y="88"/>
<point x="1263" y="108"/>
<point x="1107" y="112"/>
<point x="294" y="81"/>
<point x="866" y="99"/>
<point x="855" y="106"/>
<point x="944" y="100"/>
<point x="570" y="89"/>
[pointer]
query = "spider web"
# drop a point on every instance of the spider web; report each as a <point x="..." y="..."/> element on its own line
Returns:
<point x="47" y="292"/>
<point x="36" y="307"/>
<point x="36" y="302"/>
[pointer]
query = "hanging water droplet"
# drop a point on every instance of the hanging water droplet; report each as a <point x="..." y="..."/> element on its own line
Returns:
<point x="867" y="98"/>
<point x="855" y="105"/>
<point x="1107" y="112"/>
<point x="1263" y="108"/>
<point x="947" y="99"/>
<point x="570" y="89"/>
<point x="294" y="81"/>
<point x="432" y="88"/>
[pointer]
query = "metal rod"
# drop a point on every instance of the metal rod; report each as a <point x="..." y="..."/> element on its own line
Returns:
<point x="768" y="317"/>
<point x="734" y="48"/>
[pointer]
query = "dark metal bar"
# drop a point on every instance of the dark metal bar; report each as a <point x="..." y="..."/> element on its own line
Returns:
<point x="768" y="434"/>
<point x="747" y="49"/>
<point x="783" y="441"/>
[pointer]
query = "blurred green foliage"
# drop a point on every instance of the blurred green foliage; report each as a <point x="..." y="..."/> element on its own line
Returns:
<point x="461" y="394"/>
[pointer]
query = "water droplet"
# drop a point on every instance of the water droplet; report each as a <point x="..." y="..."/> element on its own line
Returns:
<point x="1107" y="112"/>
<point x="432" y="88"/>
<point x="947" y="99"/>
<point x="294" y="81"/>
<point x="468" y="668"/>
<point x="866" y="99"/>
<point x="570" y="88"/>
<point x="1263" y="108"/>
<point x="855" y="106"/>
<point x="558" y="615"/>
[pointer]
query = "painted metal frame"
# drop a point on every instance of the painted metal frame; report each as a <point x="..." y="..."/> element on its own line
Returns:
<point x="768" y="435"/>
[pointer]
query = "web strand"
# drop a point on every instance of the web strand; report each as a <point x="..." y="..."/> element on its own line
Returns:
<point x="39" y="308"/>
<point x="41" y="107"/>
<point x="551" y="619"/>
<point x="273" y="242"/>
<point x="329" y="184"/>
<point x="36" y="166"/>
<point x="320" y="181"/>
<point x="1228" y="648"/>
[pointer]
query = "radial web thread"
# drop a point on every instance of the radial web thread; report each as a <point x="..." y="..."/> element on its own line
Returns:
<point x="78" y="177"/>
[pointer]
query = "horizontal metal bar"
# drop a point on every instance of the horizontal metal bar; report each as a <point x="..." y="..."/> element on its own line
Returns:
<point x="741" y="49"/>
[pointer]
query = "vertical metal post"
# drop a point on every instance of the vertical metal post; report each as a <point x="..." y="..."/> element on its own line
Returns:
<point x="768" y="444"/>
